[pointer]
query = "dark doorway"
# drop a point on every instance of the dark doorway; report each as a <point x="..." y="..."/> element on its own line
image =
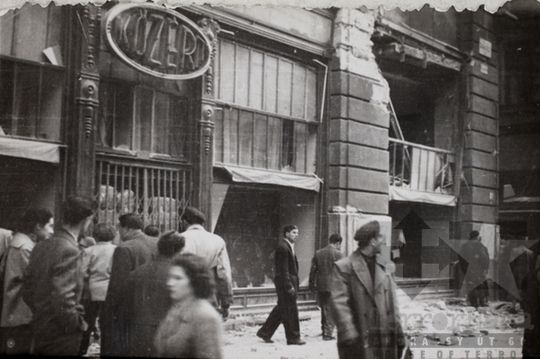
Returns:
<point x="249" y="223"/>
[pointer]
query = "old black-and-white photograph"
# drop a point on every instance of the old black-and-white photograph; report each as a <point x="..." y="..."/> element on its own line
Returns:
<point x="269" y="182"/>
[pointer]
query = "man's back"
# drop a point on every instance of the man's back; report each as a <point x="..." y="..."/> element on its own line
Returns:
<point x="128" y="256"/>
<point x="474" y="254"/>
<point x="148" y="304"/>
<point x="322" y="267"/>
<point x="204" y="244"/>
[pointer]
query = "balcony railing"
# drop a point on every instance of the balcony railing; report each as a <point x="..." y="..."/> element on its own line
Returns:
<point x="421" y="168"/>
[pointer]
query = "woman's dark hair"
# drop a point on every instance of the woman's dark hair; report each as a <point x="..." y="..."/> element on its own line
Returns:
<point x="289" y="228"/>
<point x="366" y="232"/>
<point x="170" y="243"/>
<point x="199" y="275"/>
<point x="77" y="209"/>
<point x="104" y="232"/>
<point x="33" y="217"/>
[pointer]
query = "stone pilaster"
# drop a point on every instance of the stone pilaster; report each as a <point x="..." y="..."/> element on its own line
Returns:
<point x="479" y="197"/>
<point x="359" y="119"/>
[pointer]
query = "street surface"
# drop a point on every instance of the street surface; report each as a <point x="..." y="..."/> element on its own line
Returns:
<point x="493" y="332"/>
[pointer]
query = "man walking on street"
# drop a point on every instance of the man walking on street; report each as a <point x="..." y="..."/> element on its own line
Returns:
<point x="364" y="299"/>
<point x="474" y="262"/>
<point x="135" y="250"/>
<point x="286" y="282"/>
<point x="320" y="281"/>
<point x="214" y="251"/>
<point x="53" y="283"/>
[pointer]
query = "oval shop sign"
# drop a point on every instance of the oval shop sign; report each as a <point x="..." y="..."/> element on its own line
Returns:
<point x="157" y="41"/>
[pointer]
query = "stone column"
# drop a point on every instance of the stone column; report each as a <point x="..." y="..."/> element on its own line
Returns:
<point x="358" y="122"/>
<point x="479" y="195"/>
<point x="83" y="48"/>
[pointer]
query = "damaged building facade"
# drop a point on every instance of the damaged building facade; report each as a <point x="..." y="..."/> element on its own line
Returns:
<point x="260" y="117"/>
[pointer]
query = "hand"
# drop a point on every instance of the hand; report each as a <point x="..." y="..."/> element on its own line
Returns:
<point x="291" y="292"/>
<point x="225" y="313"/>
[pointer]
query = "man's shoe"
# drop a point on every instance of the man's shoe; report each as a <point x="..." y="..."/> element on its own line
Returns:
<point x="266" y="339"/>
<point x="328" y="338"/>
<point x="296" y="342"/>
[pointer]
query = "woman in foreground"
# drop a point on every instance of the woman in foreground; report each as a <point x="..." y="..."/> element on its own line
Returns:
<point x="192" y="328"/>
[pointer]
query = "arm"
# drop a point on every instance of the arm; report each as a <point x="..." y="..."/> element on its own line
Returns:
<point x="224" y="279"/>
<point x="313" y="275"/>
<point x="64" y="285"/>
<point x="29" y="281"/>
<point x="341" y="301"/>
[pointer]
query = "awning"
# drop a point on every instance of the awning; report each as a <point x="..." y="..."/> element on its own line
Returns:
<point x="407" y="195"/>
<point x="251" y="175"/>
<point x="32" y="150"/>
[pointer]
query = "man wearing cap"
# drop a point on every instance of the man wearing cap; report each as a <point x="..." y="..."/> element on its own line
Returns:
<point x="364" y="300"/>
<point x="214" y="250"/>
<point x="474" y="262"/>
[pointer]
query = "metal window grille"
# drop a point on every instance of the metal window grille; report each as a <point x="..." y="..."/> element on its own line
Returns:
<point x="160" y="195"/>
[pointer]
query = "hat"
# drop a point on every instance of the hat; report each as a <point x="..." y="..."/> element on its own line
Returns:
<point x="193" y="216"/>
<point x="474" y="234"/>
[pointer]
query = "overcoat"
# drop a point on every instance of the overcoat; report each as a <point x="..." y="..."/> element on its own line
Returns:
<point x="128" y="256"/>
<point x="147" y="301"/>
<point x="366" y="311"/>
<point x="322" y="264"/>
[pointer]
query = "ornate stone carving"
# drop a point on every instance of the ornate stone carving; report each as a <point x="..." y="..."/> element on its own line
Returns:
<point x="210" y="29"/>
<point x="90" y="27"/>
<point x="207" y="126"/>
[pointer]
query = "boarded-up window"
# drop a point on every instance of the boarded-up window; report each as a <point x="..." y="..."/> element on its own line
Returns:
<point x="270" y="120"/>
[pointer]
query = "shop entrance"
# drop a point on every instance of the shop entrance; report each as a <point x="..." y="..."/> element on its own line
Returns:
<point x="250" y="224"/>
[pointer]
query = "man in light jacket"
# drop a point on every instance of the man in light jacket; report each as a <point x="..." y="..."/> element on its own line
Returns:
<point x="36" y="225"/>
<point x="214" y="251"/>
<point x="365" y="302"/>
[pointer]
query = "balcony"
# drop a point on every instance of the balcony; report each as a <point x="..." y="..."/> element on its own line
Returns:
<point x="421" y="173"/>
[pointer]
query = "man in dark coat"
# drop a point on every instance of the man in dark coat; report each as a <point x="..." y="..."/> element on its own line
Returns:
<point x="148" y="299"/>
<point x="135" y="250"/>
<point x="474" y="262"/>
<point x="286" y="282"/>
<point x="320" y="281"/>
<point x="53" y="284"/>
<point x="365" y="301"/>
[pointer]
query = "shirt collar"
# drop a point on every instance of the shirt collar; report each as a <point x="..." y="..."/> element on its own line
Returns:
<point x="291" y="244"/>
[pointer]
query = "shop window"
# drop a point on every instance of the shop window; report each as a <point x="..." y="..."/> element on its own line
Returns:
<point x="31" y="99"/>
<point x="160" y="195"/>
<point x="269" y="117"/>
<point x="141" y="119"/>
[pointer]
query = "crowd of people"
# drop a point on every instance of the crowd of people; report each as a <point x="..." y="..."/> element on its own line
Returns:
<point x="153" y="295"/>
<point x="167" y="294"/>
